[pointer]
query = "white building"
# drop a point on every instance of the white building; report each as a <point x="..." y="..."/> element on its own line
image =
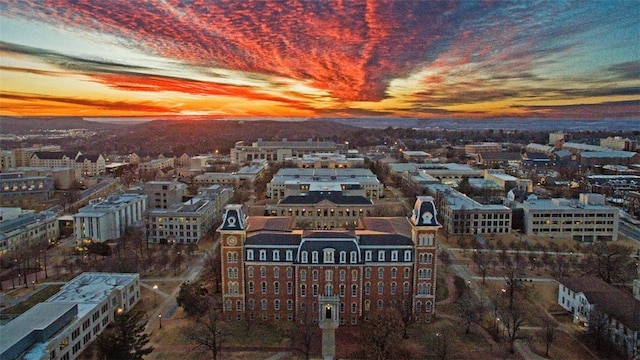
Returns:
<point x="27" y="228"/>
<point x="109" y="218"/>
<point x="279" y="151"/>
<point x="162" y="194"/>
<point x="64" y="325"/>
<point x="328" y="161"/>
<point x="7" y="159"/>
<point x="590" y="299"/>
<point x="188" y="222"/>
<point x="586" y="219"/>
<point x="295" y="181"/>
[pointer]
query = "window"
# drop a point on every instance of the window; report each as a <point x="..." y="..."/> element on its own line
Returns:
<point x="289" y="304"/>
<point x="250" y="287"/>
<point x="328" y="275"/>
<point x="276" y="255"/>
<point x="250" y="271"/>
<point x="276" y="304"/>
<point x="342" y="306"/>
<point x="407" y="272"/>
<point x="380" y="255"/>
<point x="405" y="288"/>
<point x="427" y="306"/>
<point x="305" y="257"/>
<point x="393" y="288"/>
<point x="303" y="275"/>
<point x="354" y="290"/>
<point x="353" y="257"/>
<point x="380" y="304"/>
<point x="249" y="254"/>
<point x="354" y="308"/>
<point x="276" y="287"/>
<point x="380" y="273"/>
<point x="394" y="273"/>
<point x="407" y="255"/>
<point x="343" y="257"/>
<point x="276" y="272"/>
<point x="303" y="290"/>
<point x="252" y="304"/>
<point x="367" y="273"/>
<point x="343" y="275"/>
<point x="314" y="275"/>
<point x="263" y="272"/>
<point x="328" y="290"/>
<point x="342" y="290"/>
<point x="289" y="273"/>
<point x="289" y="288"/>
<point x="239" y="305"/>
<point x="328" y="255"/>
<point x="380" y="288"/>
<point x="354" y="275"/>
<point x="315" y="289"/>
<point x="314" y="257"/>
<point x="394" y="255"/>
<point x="263" y="255"/>
<point x="263" y="287"/>
<point x="264" y="304"/>
<point x="367" y="288"/>
<point x="289" y="255"/>
<point x="232" y="257"/>
<point x="368" y="255"/>
<point x="367" y="305"/>
<point x="429" y="258"/>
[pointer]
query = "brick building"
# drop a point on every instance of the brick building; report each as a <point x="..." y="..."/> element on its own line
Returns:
<point x="275" y="273"/>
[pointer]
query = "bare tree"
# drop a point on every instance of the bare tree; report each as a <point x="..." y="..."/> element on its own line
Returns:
<point x="513" y="320"/>
<point x="438" y="344"/>
<point x="380" y="335"/>
<point x="512" y="276"/>
<point x="304" y="333"/>
<point x="611" y="262"/>
<point x="470" y="309"/>
<point x="206" y="333"/>
<point x="482" y="260"/>
<point x="549" y="337"/>
<point x="445" y="256"/>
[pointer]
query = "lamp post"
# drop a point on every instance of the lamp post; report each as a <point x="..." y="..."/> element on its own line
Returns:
<point x="155" y="295"/>
<point x="160" y="319"/>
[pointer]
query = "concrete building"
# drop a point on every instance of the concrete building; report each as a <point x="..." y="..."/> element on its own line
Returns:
<point x="507" y="182"/>
<point x="355" y="181"/>
<point x="273" y="273"/>
<point x="23" y="155"/>
<point x="600" y="158"/>
<point x="592" y="302"/>
<point x="619" y="143"/>
<point x="26" y="228"/>
<point x="280" y="151"/>
<point x="17" y="186"/>
<point x="91" y="165"/>
<point x="485" y="147"/>
<point x="163" y="194"/>
<point x="188" y="222"/>
<point x="217" y="178"/>
<point x="463" y="215"/>
<point x="328" y="161"/>
<point x="108" y="219"/>
<point x="416" y="156"/>
<point x="7" y="159"/>
<point x="156" y="164"/>
<point x="68" y="322"/>
<point x="587" y="219"/>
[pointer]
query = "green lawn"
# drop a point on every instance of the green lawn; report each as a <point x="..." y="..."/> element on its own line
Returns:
<point x="41" y="296"/>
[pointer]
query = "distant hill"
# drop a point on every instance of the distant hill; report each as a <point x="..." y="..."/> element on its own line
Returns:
<point x="175" y="137"/>
<point x="18" y="125"/>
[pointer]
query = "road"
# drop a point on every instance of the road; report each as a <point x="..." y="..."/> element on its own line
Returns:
<point x="629" y="230"/>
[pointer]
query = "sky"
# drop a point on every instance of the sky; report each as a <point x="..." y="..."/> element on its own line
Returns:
<point x="321" y="58"/>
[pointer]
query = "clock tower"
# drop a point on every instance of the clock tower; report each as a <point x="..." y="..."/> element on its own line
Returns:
<point x="424" y="230"/>
<point x="233" y="234"/>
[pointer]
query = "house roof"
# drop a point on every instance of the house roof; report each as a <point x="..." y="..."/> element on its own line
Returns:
<point x="618" y="304"/>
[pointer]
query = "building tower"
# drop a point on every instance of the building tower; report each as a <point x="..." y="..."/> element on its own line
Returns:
<point x="232" y="239"/>
<point x="424" y="229"/>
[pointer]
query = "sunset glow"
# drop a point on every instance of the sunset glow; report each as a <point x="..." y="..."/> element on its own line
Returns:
<point x="460" y="59"/>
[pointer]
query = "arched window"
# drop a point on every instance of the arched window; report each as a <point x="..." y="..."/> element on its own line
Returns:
<point x="227" y="305"/>
<point x="264" y="304"/>
<point x="367" y="288"/>
<point x="314" y="275"/>
<point x="354" y="290"/>
<point x="328" y="290"/>
<point x="239" y="305"/>
<point x="367" y="273"/>
<point x="428" y="306"/>
<point x="263" y="287"/>
<point x="380" y="304"/>
<point x="289" y="304"/>
<point x="303" y="275"/>
<point x="305" y="257"/>
<point x="418" y="306"/>
<point x="276" y="304"/>
<point x="303" y="307"/>
<point x="276" y="287"/>
<point x="407" y="272"/>
<point x="342" y="307"/>
<point x="354" y="308"/>
<point x="252" y="304"/>
<point x="303" y="290"/>
<point x="354" y="275"/>
<point x="263" y="271"/>
<point x="250" y="287"/>
<point x="367" y="305"/>
<point x="393" y="288"/>
<point x="380" y="288"/>
<point x="427" y="273"/>
<point x="315" y="289"/>
<point x="250" y="271"/>
<point x="289" y="287"/>
<point x="342" y="290"/>
<point x="429" y="258"/>
<point x="276" y="272"/>
<point x="405" y="288"/>
<point x="394" y="273"/>
<point x="289" y="273"/>
<point x="343" y="275"/>
<point x="380" y="273"/>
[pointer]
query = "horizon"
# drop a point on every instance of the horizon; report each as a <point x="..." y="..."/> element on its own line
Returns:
<point x="269" y="59"/>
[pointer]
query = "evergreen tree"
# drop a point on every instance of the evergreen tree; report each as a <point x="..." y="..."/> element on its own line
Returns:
<point x="124" y="338"/>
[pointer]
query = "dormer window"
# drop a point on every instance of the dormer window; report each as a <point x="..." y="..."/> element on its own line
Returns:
<point x="314" y="257"/>
<point x="305" y="257"/>
<point x="328" y="255"/>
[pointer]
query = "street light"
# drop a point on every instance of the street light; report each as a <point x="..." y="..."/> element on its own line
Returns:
<point x="160" y="319"/>
<point x="155" y="295"/>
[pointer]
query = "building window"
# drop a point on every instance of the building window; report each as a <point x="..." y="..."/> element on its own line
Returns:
<point x="394" y="255"/>
<point x="353" y="257"/>
<point x="263" y="286"/>
<point x="328" y="255"/>
<point x="429" y="258"/>
<point x="263" y="255"/>
<point x="380" y="273"/>
<point x="314" y="257"/>
<point x="367" y="273"/>
<point x="342" y="307"/>
<point x="354" y="308"/>
<point x="263" y="272"/>
<point x="305" y="257"/>
<point x="367" y="288"/>
<point x="264" y="304"/>
<point x="314" y="288"/>
<point x="328" y="275"/>
<point x="394" y="273"/>
<point x="276" y="272"/>
<point x="289" y="304"/>
<point x="354" y="275"/>
<point x="239" y="305"/>
<point x="405" y="288"/>
<point x="407" y="255"/>
<point x="380" y="304"/>
<point x="289" y="255"/>
<point x="314" y="275"/>
<point x="393" y="288"/>
<point x="303" y="275"/>
<point x="368" y="255"/>
<point x="276" y="255"/>
<point x="276" y="304"/>
<point x="250" y="287"/>
<point x="289" y="273"/>
<point x="367" y="305"/>
<point x="354" y="290"/>
<point x="250" y="271"/>
<point x="428" y="306"/>
<point x="289" y="288"/>
<point x="380" y="255"/>
<point x="343" y="257"/>
<point x="276" y="288"/>
<point x="380" y="288"/>
<point x="303" y="290"/>
<point x="343" y="275"/>
<point x="342" y="290"/>
<point x="328" y="290"/>
<point x="407" y="272"/>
